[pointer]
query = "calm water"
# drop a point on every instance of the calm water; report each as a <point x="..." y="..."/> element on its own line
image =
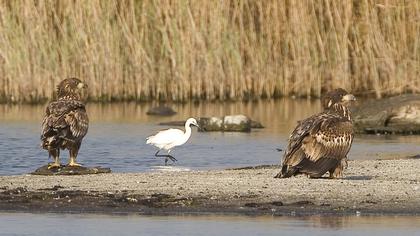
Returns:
<point x="68" y="224"/>
<point x="116" y="139"/>
<point x="117" y="133"/>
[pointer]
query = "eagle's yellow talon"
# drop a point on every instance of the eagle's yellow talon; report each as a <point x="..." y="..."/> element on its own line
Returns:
<point x="53" y="165"/>
<point x="73" y="163"/>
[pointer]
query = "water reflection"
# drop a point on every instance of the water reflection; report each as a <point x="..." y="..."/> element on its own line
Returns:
<point x="279" y="116"/>
<point x="345" y="222"/>
<point x="86" y="224"/>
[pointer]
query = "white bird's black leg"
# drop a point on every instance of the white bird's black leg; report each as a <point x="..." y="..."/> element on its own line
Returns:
<point x="167" y="157"/>
<point x="172" y="158"/>
<point x="156" y="154"/>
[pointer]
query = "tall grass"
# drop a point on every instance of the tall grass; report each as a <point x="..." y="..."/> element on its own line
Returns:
<point x="180" y="50"/>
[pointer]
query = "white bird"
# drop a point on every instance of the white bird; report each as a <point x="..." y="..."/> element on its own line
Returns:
<point x="170" y="138"/>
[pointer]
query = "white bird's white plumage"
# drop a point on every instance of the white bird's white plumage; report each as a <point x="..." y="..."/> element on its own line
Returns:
<point x="167" y="139"/>
<point x="170" y="138"/>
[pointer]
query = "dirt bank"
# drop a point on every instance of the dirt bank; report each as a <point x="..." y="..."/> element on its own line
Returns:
<point x="370" y="187"/>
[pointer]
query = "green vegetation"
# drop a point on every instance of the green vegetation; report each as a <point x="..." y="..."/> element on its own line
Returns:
<point x="179" y="50"/>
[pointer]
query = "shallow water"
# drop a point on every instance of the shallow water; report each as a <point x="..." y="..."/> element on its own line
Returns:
<point x="117" y="134"/>
<point x="89" y="224"/>
<point x="116" y="139"/>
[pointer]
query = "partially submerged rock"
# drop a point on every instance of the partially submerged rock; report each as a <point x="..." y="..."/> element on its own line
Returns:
<point x="210" y="124"/>
<point x="232" y="123"/>
<point x="256" y="125"/>
<point x="238" y="123"/>
<point x="394" y="115"/>
<point x="67" y="170"/>
<point x="161" y="111"/>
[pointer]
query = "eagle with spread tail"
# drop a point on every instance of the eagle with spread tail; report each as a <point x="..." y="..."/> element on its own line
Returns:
<point x="65" y="122"/>
<point x="320" y="143"/>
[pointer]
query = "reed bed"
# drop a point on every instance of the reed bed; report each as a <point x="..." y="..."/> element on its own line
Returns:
<point x="215" y="50"/>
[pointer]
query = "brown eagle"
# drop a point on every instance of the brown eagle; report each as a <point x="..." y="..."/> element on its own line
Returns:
<point x="321" y="142"/>
<point x="65" y="122"/>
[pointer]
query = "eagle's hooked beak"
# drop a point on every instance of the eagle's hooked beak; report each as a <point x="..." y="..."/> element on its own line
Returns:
<point x="81" y="85"/>
<point x="349" y="97"/>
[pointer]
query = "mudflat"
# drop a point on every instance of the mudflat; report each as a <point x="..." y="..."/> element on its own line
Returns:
<point x="368" y="187"/>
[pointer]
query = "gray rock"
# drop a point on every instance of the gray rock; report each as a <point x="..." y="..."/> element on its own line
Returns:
<point x="394" y="115"/>
<point x="161" y="111"/>
<point x="66" y="170"/>
<point x="210" y="124"/>
<point x="256" y="125"/>
<point x="236" y="123"/>
<point x="232" y="123"/>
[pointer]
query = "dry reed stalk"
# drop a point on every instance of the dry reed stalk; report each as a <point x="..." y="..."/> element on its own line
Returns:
<point x="180" y="50"/>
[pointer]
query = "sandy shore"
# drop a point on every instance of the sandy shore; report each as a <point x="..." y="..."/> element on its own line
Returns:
<point x="369" y="187"/>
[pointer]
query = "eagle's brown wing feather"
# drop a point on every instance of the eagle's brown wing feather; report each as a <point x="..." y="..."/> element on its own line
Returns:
<point x="294" y="154"/>
<point x="78" y="122"/>
<point x="332" y="140"/>
<point x="64" y="119"/>
<point x="317" y="145"/>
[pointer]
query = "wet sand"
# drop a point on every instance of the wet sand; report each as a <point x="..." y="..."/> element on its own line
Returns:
<point x="369" y="187"/>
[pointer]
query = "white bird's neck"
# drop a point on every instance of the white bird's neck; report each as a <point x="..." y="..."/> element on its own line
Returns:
<point x="185" y="136"/>
<point x="187" y="133"/>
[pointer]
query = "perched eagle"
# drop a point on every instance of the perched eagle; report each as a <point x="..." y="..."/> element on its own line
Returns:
<point x="321" y="142"/>
<point x="65" y="122"/>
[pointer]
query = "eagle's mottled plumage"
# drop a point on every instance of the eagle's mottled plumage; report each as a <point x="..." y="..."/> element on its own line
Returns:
<point x="65" y="122"/>
<point x="320" y="143"/>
